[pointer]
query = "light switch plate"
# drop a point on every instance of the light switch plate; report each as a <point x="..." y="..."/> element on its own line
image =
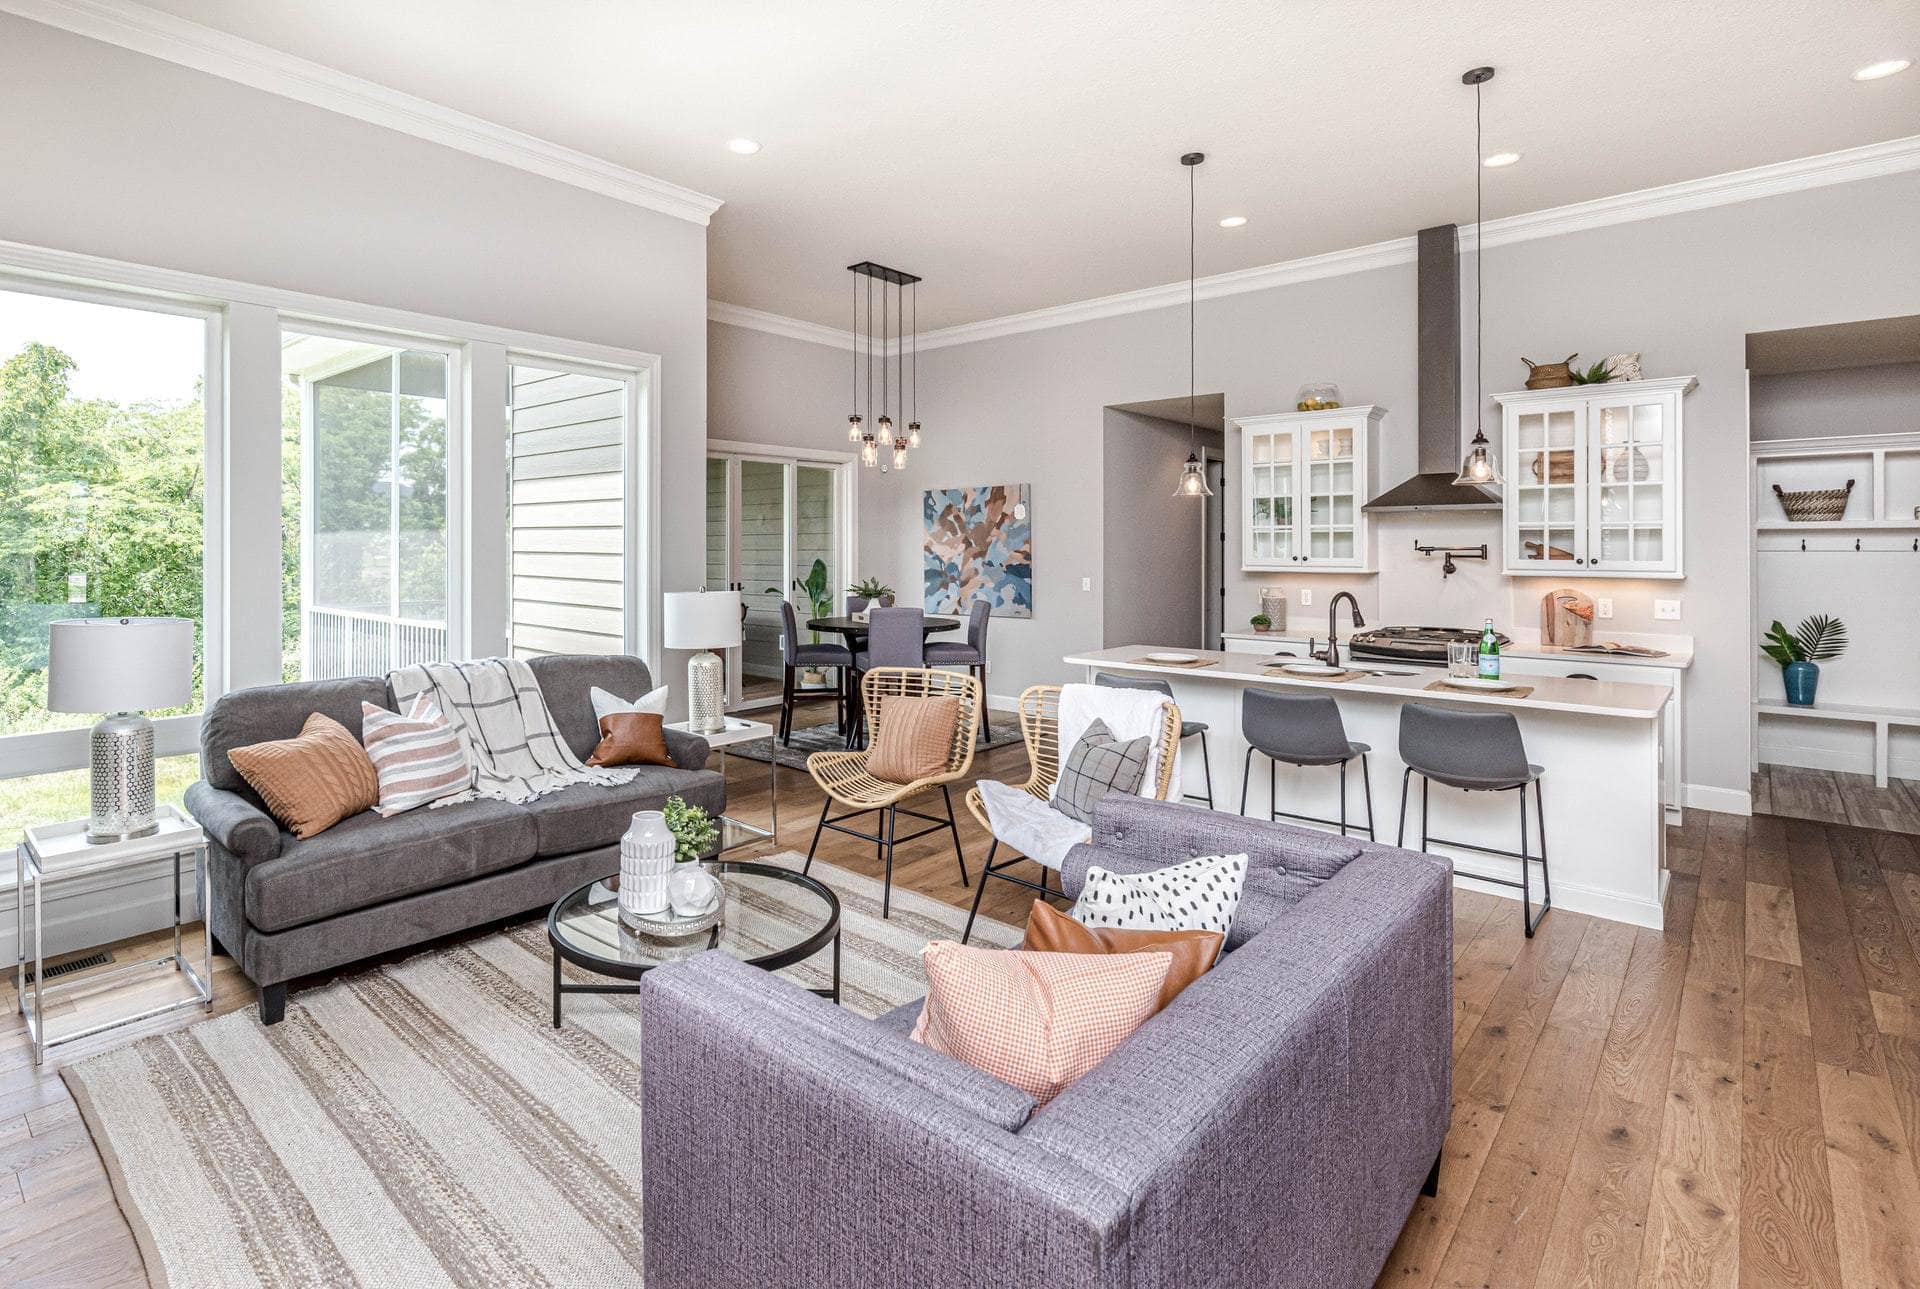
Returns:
<point x="1603" y="608"/>
<point x="1306" y="597"/>
<point x="1667" y="610"/>
<point x="1086" y="584"/>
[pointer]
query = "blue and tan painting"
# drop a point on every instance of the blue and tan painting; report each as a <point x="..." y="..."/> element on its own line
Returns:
<point x="979" y="547"/>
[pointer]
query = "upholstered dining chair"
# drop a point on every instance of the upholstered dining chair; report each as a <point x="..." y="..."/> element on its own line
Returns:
<point x="1040" y="729"/>
<point x="895" y="638"/>
<point x="970" y="653"/>
<point x="795" y="657"/>
<point x="848" y="782"/>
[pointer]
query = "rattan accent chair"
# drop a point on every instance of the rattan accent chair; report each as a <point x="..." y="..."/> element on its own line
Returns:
<point x="844" y="776"/>
<point x="1040" y="728"/>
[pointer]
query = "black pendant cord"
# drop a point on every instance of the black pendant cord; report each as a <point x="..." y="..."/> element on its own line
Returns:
<point x="1479" y="257"/>
<point x="916" y="354"/>
<point x="856" y="346"/>
<point x="869" y="336"/>
<point x="1192" y="271"/>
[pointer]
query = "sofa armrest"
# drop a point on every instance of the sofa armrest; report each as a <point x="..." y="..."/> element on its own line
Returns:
<point x="689" y="751"/>
<point x="757" y="1095"/>
<point x="236" y="824"/>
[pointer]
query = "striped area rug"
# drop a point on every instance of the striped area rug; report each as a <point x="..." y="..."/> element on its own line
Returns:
<point x="423" y="1123"/>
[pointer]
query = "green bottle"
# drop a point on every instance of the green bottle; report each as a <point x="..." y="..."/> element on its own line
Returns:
<point x="1489" y="653"/>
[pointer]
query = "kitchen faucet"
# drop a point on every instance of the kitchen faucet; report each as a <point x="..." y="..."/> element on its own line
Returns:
<point x="1333" y="641"/>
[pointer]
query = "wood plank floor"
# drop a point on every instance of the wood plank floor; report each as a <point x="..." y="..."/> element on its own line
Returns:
<point x="1735" y="1100"/>
<point x="1833" y="797"/>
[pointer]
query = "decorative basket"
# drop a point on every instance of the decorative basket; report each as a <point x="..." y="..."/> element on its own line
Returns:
<point x="1559" y="466"/>
<point x="1816" y="505"/>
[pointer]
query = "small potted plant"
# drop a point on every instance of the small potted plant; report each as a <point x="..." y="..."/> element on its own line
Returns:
<point x="1261" y="622"/>
<point x="1816" y="640"/>
<point x="693" y="829"/>
<point x="873" y="591"/>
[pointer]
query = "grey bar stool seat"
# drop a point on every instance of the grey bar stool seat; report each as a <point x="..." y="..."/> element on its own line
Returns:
<point x="1476" y="752"/>
<point x="1188" y="729"/>
<point x="970" y="653"/>
<point x="1300" y="729"/>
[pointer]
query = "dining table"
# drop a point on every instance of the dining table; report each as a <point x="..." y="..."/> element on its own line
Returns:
<point x="854" y="631"/>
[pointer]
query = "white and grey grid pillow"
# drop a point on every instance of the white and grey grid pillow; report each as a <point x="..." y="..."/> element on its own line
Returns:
<point x="1098" y="764"/>
<point x="1199" y="895"/>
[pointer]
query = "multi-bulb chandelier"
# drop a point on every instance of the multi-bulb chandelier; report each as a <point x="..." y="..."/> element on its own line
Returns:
<point x="880" y="435"/>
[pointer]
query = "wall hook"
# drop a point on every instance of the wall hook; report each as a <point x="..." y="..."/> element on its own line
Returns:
<point x="1856" y="543"/>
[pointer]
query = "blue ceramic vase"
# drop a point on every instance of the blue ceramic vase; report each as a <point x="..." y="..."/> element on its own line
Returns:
<point x="1802" y="679"/>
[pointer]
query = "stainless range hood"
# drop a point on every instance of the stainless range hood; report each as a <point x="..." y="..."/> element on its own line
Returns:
<point x="1439" y="429"/>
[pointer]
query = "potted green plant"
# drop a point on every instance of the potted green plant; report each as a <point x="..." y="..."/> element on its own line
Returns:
<point x="1817" y="639"/>
<point x="1600" y="373"/>
<point x="1261" y="622"/>
<point x="693" y="829"/>
<point x="873" y="591"/>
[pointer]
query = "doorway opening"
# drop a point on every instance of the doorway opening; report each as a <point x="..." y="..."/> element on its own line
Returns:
<point x="1163" y="568"/>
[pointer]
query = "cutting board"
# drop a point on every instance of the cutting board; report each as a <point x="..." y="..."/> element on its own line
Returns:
<point x="1566" y="617"/>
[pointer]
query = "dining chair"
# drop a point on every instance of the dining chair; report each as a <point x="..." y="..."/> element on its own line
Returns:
<point x="895" y="638"/>
<point x="971" y="654"/>
<point x="795" y="657"/>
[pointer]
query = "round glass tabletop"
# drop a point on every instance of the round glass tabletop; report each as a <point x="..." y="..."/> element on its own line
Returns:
<point x="774" y="918"/>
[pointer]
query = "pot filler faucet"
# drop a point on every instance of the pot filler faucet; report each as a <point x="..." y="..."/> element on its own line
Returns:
<point x="1333" y="641"/>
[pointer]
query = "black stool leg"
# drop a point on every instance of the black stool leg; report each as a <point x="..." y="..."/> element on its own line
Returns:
<point x="954" y="828"/>
<point x="1546" y="877"/>
<point x="886" y="890"/>
<point x="1406" y="782"/>
<point x="1343" y="798"/>
<point x="1206" y="766"/>
<point x="1526" y="890"/>
<point x="1431" y="1187"/>
<point x="1426" y="791"/>
<point x="817" y="830"/>
<point x="1273" y="789"/>
<point x="1366" y="782"/>
<point x="986" y="871"/>
<point x="1246" y="775"/>
<point x="986" y="727"/>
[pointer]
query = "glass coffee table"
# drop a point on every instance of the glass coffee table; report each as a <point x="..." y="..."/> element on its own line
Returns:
<point x="775" y="918"/>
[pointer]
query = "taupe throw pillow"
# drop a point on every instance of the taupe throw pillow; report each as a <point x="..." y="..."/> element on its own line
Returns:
<point x="312" y="782"/>
<point x="1099" y="764"/>
<point x="912" y="737"/>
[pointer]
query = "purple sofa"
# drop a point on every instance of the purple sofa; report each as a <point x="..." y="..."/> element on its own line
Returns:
<point x="1272" y="1127"/>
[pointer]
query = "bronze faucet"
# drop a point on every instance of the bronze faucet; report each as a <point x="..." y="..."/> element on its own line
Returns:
<point x="1333" y="642"/>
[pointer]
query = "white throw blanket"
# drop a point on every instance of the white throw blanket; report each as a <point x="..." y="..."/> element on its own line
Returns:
<point x="496" y="706"/>
<point x="1030" y="825"/>
<point x="1129" y="713"/>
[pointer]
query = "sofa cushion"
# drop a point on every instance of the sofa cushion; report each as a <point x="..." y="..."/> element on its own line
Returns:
<point x="587" y="815"/>
<point x="1199" y="895"/>
<point x="313" y="781"/>
<point x="368" y="860"/>
<point x="567" y="681"/>
<point x="631" y="738"/>
<point x="1192" y="952"/>
<point x="265" y="713"/>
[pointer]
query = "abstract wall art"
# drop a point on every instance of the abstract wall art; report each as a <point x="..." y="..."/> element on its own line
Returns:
<point x="979" y="546"/>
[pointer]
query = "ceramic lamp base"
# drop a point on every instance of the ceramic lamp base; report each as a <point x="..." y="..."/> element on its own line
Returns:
<point x="121" y="797"/>
<point x="706" y="693"/>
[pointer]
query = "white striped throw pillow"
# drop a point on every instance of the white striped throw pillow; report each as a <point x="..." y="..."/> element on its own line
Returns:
<point x="419" y="757"/>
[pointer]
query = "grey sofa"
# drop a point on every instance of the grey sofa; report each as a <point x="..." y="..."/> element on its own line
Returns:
<point x="286" y="908"/>
<point x="1272" y="1127"/>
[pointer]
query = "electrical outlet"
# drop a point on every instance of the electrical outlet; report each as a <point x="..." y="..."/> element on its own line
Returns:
<point x="1306" y="597"/>
<point x="1086" y="584"/>
<point x="1667" y="610"/>
<point x="1603" y="608"/>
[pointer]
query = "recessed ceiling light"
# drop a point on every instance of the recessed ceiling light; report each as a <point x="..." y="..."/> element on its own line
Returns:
<point x="1233" y="221"/>
<point x="1500" y="159"/>
<point x="1874" y="71"/>
<point x="745" y="147"/>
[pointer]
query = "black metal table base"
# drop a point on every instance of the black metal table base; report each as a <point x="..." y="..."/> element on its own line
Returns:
<point x="561" y="985"/>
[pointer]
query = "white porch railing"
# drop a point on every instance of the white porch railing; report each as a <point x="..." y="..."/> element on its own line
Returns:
<point x="341" y="642"/>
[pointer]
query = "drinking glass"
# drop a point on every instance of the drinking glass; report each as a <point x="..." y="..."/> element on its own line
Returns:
<point x="1463" y="658"/>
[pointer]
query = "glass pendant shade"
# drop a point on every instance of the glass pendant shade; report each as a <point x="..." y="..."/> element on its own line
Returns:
<point x="1478" y="469"/>
<point x="1193" y="480"/>
<point x="883" y="428"/>
<point x="853" y="428"/>
<point x="870" y="452"/>
<point x="899" y="454"/>
<point x="913" y="434"/>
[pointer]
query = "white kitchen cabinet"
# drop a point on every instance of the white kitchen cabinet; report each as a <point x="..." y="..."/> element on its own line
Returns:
<point x="1304" y="478"/>
<point x="1593" y="479"/>
<point x="1673" y="748"/>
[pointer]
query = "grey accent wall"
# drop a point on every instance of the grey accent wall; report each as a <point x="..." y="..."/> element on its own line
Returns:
<point x="1152" y="570"/>
<point x="1847" y="400"/>
<point x="112" y="153"/>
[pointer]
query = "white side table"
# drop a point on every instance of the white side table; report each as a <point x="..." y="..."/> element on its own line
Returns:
<point x="52" y="853"/>
<point x="734" y="833"/>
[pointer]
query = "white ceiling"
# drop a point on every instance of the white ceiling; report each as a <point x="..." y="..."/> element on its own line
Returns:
<point x="1021" y="155"/>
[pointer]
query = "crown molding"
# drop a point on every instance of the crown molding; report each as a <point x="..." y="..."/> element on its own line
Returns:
<point x="1896" y="156"/>
<point x="778" y="324"/>
<point x="190" y="44"/>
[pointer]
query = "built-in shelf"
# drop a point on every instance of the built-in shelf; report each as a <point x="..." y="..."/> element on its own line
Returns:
<point x="1880" y="718"/>
<point x="1840" y="526"/>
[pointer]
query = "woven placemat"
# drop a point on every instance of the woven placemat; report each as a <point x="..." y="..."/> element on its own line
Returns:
<point x="1442" y="687"/>
<point x="1158" y="662"/>
<point x="1342" y="678"/>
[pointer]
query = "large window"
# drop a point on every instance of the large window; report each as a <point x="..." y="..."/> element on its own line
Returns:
<point x="102" y="480"/>
<point x="364" y="468"/>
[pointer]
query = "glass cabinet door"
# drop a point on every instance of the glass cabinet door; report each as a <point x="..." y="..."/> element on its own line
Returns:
<point x="1547" y="487"/>
<point x="1270" y="497"/>
<point x="1630" y="445"/>
<point x="1333" y="499"/>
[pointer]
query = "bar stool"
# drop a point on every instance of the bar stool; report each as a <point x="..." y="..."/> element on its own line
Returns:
<point x="1188" y="729"/>
<point x="1300" y="729"/>
<point x="1476" y="752"/>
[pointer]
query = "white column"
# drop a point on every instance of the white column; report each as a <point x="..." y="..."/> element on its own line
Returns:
<point x="250" y="481"/>
<point x="483" y="502"/>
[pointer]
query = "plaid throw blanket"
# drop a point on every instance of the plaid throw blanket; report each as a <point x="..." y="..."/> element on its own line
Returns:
<point x="496" y="706"/>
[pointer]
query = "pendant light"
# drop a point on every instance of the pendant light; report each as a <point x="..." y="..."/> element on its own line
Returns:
<point x="1193" y="476"/>
<point x="1478" y="469"/>
<point x="856" y="428"/>
<point x="890" y="340"/>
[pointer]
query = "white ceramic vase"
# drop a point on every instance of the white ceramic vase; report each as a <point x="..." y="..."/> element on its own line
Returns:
<point x="646" y="861"/>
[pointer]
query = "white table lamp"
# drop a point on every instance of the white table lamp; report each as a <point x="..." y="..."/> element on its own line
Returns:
<point x="121" y="667"/>
<point x="704" y="620"/>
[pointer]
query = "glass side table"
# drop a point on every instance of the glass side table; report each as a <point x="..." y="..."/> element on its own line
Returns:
<point x="54" y="853"/>
<point x="733" y="832"/>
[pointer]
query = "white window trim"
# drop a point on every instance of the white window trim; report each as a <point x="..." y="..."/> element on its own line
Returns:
<point x="72" y="275"/>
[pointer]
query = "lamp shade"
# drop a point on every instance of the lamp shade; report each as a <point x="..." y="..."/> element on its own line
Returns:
<point x="119" y="664"/>
<point x="702" y="620"/>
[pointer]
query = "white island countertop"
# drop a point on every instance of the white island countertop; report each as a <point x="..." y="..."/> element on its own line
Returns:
<point x="1676" y="652"/>
<point x="1549" y="693"/>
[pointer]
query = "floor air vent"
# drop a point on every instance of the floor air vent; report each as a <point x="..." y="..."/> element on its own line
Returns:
<point x="72" y="965"/>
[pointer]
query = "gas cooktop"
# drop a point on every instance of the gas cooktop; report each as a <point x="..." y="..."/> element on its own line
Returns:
<point x="1412" y="644"/>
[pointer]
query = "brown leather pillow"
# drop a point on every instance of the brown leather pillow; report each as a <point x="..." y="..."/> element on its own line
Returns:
<point x="631" y="738"/>
<point x="312" y="782"/>
<point x="913" y="737"/>
<point x="1051" y="931"/>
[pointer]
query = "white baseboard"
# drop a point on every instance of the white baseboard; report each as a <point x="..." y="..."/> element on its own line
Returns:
<point x="1569" y="897"/>
<point x="85" y="912"/>
<point x="1839" y="760"/>
<point x="1003" y="702"/>
<point x="1724" y="801"/>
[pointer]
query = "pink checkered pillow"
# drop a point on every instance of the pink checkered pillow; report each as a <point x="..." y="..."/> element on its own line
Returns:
<point x="1035" y="1020"/>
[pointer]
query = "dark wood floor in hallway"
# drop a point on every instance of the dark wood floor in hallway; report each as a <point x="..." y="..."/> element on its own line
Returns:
<point x="1735" y="1100"/>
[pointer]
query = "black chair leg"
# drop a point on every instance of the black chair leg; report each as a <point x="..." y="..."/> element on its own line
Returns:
<point x="1546" y="876"/>
<point x="986" y="871"/>
<point x="1526" y="889"/>
<point x="1406" y="783"/>
<point x="1426" y="791"/>
<point x="786" y="706"/>
<point x="986" y="729"/>
<point x="1206" y="767"/>
<point x="817" y="830"/>
<point x="954" y="828"/>
<point x="1343" y="798"/>
<point x="1366" y="782"/>
<point x="1273" y="789"/>
<point x="1246" y="775"/>
<point x="886" y="890"/>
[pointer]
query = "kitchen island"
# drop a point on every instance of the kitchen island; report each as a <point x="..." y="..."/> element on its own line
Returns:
<point x="1601" y="743"/>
